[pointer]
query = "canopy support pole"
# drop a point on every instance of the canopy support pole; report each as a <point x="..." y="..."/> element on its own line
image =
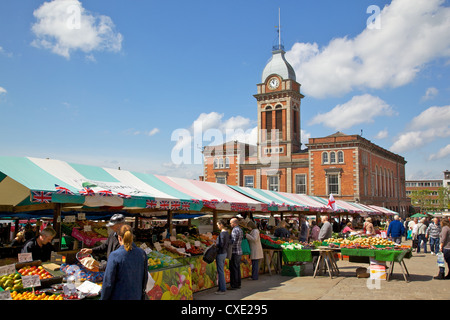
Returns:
<point x="169" y="221"/>
<point x="57" y="226"/>
<point x="215" y="229"/>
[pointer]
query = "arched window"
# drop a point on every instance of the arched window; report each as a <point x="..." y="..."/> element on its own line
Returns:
<point x="340" y="156"/>
<point x="227" y="162"/>
<point x="325" y="157"/>
<point x="332" y="157"/>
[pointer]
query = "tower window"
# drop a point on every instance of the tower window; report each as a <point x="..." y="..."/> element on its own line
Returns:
<point x="300" y="183"/>
<point x="333" y="183"/>
<point x="273" y="183"/>
<point x="340" y="156"/>
<point x="325" y="157"/>
<point x="333" y="157"/>
<point x="249" y="181"/>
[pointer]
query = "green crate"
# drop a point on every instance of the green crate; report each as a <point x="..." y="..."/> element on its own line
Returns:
<point x="293" y="270"/>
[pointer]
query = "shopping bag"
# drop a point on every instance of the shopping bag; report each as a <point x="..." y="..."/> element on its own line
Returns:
<point x="210" y="254"/>
<point x="245" y="247"/>
<point x="440" y="260"/>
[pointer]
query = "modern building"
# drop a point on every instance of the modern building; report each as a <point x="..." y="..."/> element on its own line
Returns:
<point x="348" y="166"/>
<point x="429" y="195"/>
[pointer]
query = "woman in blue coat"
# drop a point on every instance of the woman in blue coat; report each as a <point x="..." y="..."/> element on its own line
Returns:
<point x="126" y="272"/>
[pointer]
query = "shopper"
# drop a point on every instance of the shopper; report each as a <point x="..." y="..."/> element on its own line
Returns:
<point x="421" y="231"/>
<point x="126" y="272"/>
<point x="41" y="247"/>
<point x="314" y="231"/>
<point x="112" y="243"/>
<point x="395" y="230"/>
<point x="325" y="231"/>
<point x="281" y="231"/>
<point x="432" y="234"/>
<point x="368" y="227"/>
<point x="222" y="243"/>
<point x="256" y="251"/>
<point x="304" y="230"/>
<point x="444" y="245"/>
<point x="413" y="228"/>
<point x="236" y="252"/>
<point x="19" y="240"/>
<point x="348" y="228"/>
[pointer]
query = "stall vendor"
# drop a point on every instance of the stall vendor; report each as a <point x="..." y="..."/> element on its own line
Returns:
<point x="41" y="247"/>
<point x="112" y="243"/>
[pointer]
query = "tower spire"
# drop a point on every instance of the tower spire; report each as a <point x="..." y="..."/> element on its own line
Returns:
<point x="279" y="46"/>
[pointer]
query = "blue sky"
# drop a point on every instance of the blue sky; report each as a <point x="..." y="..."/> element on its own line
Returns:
<point x="112" y="83"/>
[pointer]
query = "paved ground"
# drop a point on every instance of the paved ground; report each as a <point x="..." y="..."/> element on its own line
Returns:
<point x="422" y="267"/>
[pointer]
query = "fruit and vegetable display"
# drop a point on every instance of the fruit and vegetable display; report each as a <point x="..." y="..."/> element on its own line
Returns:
<point x="158" y="260"/>
<point x="35" y="270"/>
<point x="268" y="241"/>
<point x="11" y="282"/>
<point x="361" y="242"/>
<point x="29" y="295"/>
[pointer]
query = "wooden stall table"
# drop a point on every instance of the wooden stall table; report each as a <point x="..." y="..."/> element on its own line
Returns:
<point x="326" y="257"/>
<point x="269" y="255"/>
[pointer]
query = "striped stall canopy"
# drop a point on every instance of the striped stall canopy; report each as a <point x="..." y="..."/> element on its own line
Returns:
<point x="25" y="181"/>
<point x="282" y="201"/>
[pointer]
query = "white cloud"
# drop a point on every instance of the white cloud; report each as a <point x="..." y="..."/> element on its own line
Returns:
<point x="3" y="90"/>
<point x="360" y="109"/>
<point x="383" y="134"/>
<point x="64" y="26"/>
<point x="411" y="35"/>
<point x="442" y="153"/>
<point x="430" y="94"/>
<point x="153" y="132"/>
<point x="431" y="124"/>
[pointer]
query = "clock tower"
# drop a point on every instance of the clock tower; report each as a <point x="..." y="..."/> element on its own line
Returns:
<point x="278" y="98"/>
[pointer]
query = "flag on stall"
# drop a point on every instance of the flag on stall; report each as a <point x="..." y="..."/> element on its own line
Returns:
<point x="62" y="190"/>
<point x="176" y="205"/>
<point x="185" y="205"/>
<point x="164" y="205"/>
<point x="86" y="191"/>
<point x="122" y="195"/>
<point x="105" y="193"/>
<point x="151" y="204"/>
<point x="332" y="203"/>
<point x="41" y="196"/>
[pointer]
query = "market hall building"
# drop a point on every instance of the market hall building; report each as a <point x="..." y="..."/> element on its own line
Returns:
<point x="350" y="167"/>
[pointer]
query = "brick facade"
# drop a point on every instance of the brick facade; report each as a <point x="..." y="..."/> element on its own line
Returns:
<point x="349" y="166"/>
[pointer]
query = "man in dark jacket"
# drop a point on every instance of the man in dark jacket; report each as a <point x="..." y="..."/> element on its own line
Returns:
<point x="396" y="230"/>
<point x="112" y="243"/>
<point x="41" y="247"/>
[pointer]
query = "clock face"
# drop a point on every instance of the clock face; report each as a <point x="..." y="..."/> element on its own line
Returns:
<point x="274" y="83"/>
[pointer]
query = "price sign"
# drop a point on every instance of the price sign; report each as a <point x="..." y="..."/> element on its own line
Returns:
<point x="5" y="295"/>
<point x="31" y="281"/>
<point x="173" y="238"/>
<point x="188" y="245"/>
<point x="181" y="250"/>
<point x="157" y="246"/>
<point x="25" y="257"/>
<point x="69" y="219"/>
<point x="8" y="269"/>
<point x="81" y="216"/>
<point x="87" y="228"/>
<point x="197" y="243"/>
<point x="167" y="243"/>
